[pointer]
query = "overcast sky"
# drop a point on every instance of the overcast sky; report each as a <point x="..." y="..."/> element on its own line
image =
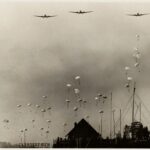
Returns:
<point x="40" y="56"/>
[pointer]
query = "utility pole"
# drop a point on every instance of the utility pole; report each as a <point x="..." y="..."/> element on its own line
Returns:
<point x="101" y="124"/>
<point x="120" y="122"/>
<point x="133" y="107"/>
<point x="110" y="114"/>
<point x="133" y="103"/>
<point x="114" y="122"/>
<point x="140" y="111"/>
<point x="24" y="137"/>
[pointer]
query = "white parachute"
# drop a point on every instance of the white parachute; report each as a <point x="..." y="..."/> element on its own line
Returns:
<point x="43" y="111"/>
<point x="68" y="102"/>
<point x="77" y="78"/>
<point x="75" y="110"/>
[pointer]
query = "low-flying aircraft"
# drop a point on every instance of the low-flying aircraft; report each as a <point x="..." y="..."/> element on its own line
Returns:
<point x="80" y="12"/>
<point x="138" y="14"/>
<point x="45" y="16"/>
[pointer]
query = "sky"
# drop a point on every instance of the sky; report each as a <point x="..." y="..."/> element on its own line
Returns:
<point x="40" y="56"/>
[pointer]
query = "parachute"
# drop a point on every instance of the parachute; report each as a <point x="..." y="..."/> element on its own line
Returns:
<point x="80" y="101"/>
<point x="19" y="106"/>
<point x="33" y="123"/>
<point x="47" y="134"/>
<point x="64" y="125"/>
<point x="43" y="111"/>
<point x="44" y="96"/>
<point x="41" y="129"/>
<point x="48" y="122"/>
<point x="29" y="104"/>
<point x="77" y="92"/>
<point x="78" y="79"/>
<point x="75" y="110"/>
<point x="96" y="99"/>
<point x="49" y="110"/>
<point x="68" y="90"/>
<point x="67" y="101"/>
<point x="84" y="102"/>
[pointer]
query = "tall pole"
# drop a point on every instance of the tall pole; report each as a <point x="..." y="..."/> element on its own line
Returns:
<point x="120" y="122"/>
<point x="101" y="124"/>
<point x="24" y="137"/>
<point x="140" y="111"/>
<point x="110" y="114"/>
<point x="133" y="103"/>
<point x="114" y="122"/>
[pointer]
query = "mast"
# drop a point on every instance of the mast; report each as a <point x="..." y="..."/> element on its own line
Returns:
<point x="140" y="111"/>
<point x="101" y="124"/>
<point x="120" y="122"/>
<point x="133" y="102"/>
<point x="110" y="114"/>
<point x="114" y="122"/>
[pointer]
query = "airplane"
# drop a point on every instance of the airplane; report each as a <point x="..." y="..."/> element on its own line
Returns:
<point x="80" y="12"/>
<point x="137" y="14"/>
<point x="45" y="16"/>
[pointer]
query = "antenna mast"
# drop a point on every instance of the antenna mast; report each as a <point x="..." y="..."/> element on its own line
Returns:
<point x="110" y="114"/>
<point x="133" y="102"/>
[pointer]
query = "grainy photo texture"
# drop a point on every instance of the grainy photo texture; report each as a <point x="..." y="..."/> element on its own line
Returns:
<point x="74" y="74"/>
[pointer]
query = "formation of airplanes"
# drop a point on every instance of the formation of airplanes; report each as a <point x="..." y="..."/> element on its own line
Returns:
<point x="84" y="12"/>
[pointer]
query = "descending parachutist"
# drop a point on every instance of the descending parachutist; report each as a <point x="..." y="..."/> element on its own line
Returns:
<point x="41" y="131"/>
<point x="99" y="96"/>
<point x="104" y="96"/>
<point x="48" y="122"/>
<point x="43" y="111"/>
<point x="80" y="101"/>
<point x="96" y="99"/>
<point x="138" y="37"/>
<point x="129" y="79"/>
<point x="127" y="70"/>
<point x="47" y="134"/>
<point x="49" y="110"/>
<point x="64" y="125"/>
<point x="87" y="117"/>
<point x="21" y="136"/>
<point x="29" y="105"/>
<point x="44" y="98"/>
<point x="84" y="103"/>
<point x="67" y="101"/>
<point x="68" y="90"/>
<point x="37" y="107"/>
<point x="25" y="130"/>
<point x="78" y="79"/>
<point x="6" y="121"/>
<point x="19" y="106"/>
<point x="75" y="110"/>
<point x="33" y="122"/>
<point x="77" y="93"/>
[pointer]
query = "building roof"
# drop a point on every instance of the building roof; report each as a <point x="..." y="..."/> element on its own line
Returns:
<point x="83" y="129"/>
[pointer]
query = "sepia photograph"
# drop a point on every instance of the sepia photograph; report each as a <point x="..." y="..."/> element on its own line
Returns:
<point x="74" y="74"/>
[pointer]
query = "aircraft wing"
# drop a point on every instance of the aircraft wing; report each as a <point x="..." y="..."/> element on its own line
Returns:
<point x="87" y="11"/>
<point x="38" y="16"/>
<point x="144" y="14"/>
<point x="74" y="12"/>
<point x="132" y="14"/>
<point x="51" y="16"/>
